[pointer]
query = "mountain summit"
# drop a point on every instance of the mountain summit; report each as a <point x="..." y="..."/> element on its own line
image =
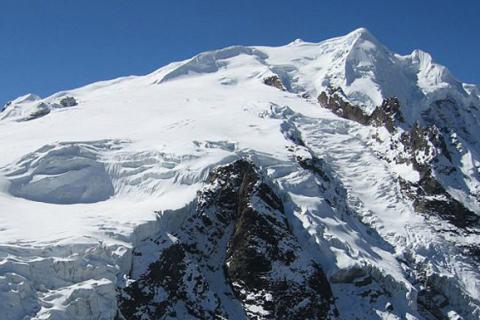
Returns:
<point x="330" y="180"/>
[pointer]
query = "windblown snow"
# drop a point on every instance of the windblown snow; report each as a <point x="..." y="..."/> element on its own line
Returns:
<point x="87" y="174"/>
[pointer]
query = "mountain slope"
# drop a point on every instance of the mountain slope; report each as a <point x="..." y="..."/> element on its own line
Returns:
<point x="322" y="180"/>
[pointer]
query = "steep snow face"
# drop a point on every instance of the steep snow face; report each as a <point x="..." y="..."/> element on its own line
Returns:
<point x="91" y="177"/>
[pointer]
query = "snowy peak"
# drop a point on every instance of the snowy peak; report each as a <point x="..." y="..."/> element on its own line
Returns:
<point x="416" y="79"/>
<point x="365" y="49"/>
<point x="308" y="181"/>
<point x="430" y="74"/>
<point x="366" y="64"/>
<point x="362" y="35"/>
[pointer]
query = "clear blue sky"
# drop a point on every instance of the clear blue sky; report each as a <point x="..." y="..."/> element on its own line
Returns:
<point x="48" y="45"/>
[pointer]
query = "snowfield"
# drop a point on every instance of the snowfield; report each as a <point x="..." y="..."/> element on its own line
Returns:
<point x="85" y="182"/>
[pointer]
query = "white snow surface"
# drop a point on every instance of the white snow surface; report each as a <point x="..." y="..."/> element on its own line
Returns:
<point x="80" y="186"/>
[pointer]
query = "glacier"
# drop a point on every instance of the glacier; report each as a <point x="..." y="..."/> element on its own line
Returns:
<point x="365" y="162"/>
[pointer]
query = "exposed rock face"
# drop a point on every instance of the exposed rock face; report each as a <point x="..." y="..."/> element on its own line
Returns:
<point x="174" y="279"/>
<point x="265" y="264"/>
<point x="434" y="150"/>
<point x="68" y="102"/>
<point x="429" y="197"/>
<point x="237" y="244"/>
<point x="41" y="110"/>
<point x="425" y="147"/>
<point x="333" y="100"/>
<point x="274" y="81"/>
<point x="388" y="114"/>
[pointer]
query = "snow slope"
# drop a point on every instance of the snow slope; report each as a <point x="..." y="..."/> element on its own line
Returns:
<point x="83" y="184"/>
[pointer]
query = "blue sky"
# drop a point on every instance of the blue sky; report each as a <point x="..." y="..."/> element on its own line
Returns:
<point x="48" y="45"/>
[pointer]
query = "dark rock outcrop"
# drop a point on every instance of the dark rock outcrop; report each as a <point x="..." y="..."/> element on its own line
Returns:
<point x="430" y="198"/>
<point x="42" y="110"/>
<point x="386" y="115"/>
<point x="274" y="81"/>
<point x="264" y="261"/>
<point x="68" y="102"/>
<point x="424" y="148"/>
<point x="333" y="100"/>
<point x="427" y="141"/>
<point x="238" y="235"/>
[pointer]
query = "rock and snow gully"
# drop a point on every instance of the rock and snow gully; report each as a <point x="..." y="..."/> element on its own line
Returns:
<point x="331" y="180"/>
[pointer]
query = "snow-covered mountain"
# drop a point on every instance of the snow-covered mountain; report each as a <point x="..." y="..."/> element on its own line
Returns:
<point x="331" y="180"/>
